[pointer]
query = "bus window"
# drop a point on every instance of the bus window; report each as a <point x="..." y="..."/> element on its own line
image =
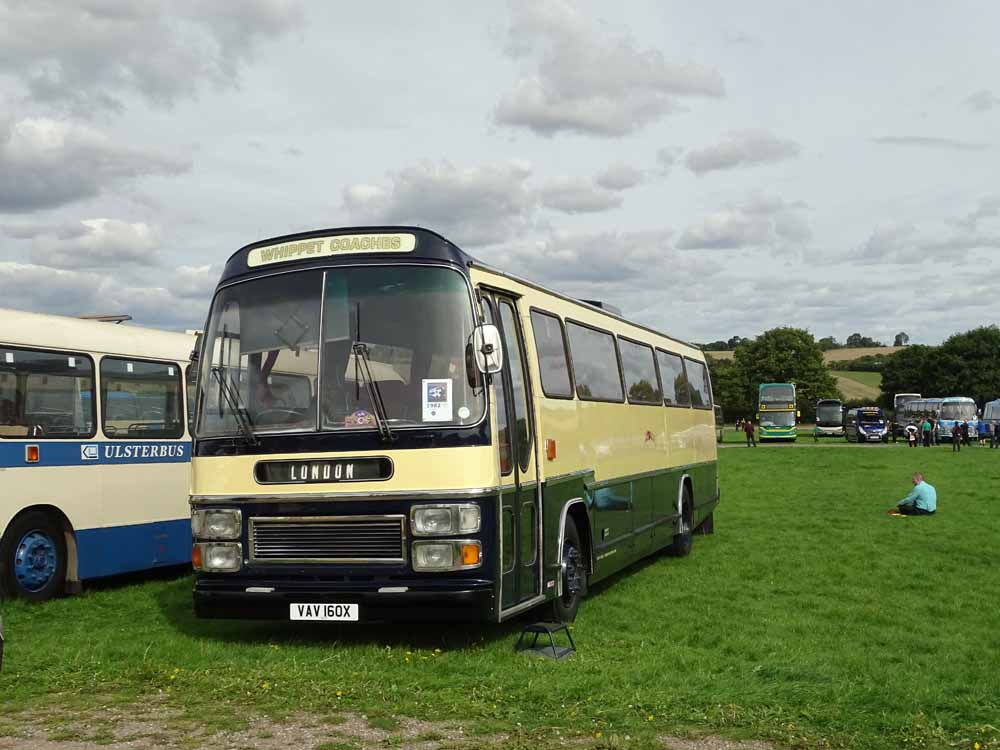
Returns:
<point x="640" y="373"/>
<point x="701" y="388"/>
<point x="595" y="364"/>
<point x="46" y="394"/>
<point x="503" y="430"/>
<point x="550" y="346"/>
<point x="517" y="379"/>
<point x="141" y="400"/>
<point x="675" y="384"/>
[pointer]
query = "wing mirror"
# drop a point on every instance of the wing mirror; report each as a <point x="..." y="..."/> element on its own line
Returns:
<point x="488" y="349"/>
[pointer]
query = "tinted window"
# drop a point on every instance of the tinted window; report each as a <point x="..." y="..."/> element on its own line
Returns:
<point x="46" y="394"/>
<point x="551" y="349"/>
<point x="675" y="386"/>
<point x="701" y="388"/>
<point x="503" y="428"/>
<point x="595" y="364"/>
<point x="641" y="382"/>
<point x="141" y="400"/>
<point x="528" y="528"/>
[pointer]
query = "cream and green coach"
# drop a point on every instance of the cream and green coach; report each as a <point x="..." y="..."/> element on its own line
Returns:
<point x="447" y="440"/>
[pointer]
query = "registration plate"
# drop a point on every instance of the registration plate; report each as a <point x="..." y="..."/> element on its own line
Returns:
<point x="324" y="612"/>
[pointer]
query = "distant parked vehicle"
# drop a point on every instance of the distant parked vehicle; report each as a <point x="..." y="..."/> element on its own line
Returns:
<point x="914" y="412"/>
<point x="866" y="425"/>
<point x="991" y="413"/>
<point x="958" y="409"/>
<point x="829" y="418"/>
<point x="899" y="402"/>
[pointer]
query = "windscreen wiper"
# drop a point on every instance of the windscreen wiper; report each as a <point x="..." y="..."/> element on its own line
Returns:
<point x="361" y="365"/>
<point x="240" y="414"/>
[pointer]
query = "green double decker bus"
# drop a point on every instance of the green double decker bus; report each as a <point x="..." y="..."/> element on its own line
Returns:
<point x="776" y="413"/>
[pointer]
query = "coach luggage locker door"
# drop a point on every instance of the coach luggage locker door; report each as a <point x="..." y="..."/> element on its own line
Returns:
<point x="520" y="514"/>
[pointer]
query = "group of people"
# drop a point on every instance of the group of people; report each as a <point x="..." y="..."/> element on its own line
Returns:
<point x="961" y="434"/>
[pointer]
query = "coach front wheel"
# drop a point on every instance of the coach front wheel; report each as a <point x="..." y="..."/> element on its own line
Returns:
<point x="33" y="558"/>
<point x="681" y="546"/>
<point x="574" y="575"/>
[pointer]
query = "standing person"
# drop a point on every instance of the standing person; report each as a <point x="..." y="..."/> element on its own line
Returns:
<point x="935" y="424"/>
<point x="984" y="432"/>
<point x="911" y="436"/>
<point x="965" y="433"/>
<point x="748" y="430"/>
<point x="995" y="440"/>
<point x="922" y="500"/>
<point x="925" y="429"/>
<point x="956" y="438"/>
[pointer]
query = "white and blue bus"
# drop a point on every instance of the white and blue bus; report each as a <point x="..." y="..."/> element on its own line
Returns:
<point x="95" y="451"/>
<point x="958" y="409"/>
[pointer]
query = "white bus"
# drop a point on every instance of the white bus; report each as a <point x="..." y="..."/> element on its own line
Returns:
<point x="95" y="451"/>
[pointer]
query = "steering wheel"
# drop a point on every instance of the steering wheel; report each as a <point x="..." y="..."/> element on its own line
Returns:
<point x="276" y="415"/>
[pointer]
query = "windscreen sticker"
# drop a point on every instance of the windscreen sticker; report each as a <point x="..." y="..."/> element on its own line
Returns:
<point x="170" y="371"/>
<point x="128" y="367"/>
<point x="437" y="400"/>
<point x="9" y="356"/>
<point x="72" y="361"/>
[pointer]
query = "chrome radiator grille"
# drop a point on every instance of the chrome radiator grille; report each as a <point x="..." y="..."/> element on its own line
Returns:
<point x="336" y="539"/>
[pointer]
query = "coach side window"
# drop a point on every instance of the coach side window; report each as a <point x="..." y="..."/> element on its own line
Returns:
<point x="595" y="364"/>
<point x="46" y="394"/>
<point x="641" y="382"/>
<point x="701" y="388"/>
<point x="675" y="382"/>
<point x="141" y="400"/>
<point x="550" y="345"/>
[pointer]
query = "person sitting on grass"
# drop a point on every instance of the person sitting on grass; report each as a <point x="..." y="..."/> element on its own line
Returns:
<point x="922" y="500"/>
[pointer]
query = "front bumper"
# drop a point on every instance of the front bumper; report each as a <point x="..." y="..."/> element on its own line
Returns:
<point x="222" y="600"/>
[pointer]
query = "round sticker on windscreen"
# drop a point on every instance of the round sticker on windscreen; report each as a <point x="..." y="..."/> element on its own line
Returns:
<point x="463" y="412"/>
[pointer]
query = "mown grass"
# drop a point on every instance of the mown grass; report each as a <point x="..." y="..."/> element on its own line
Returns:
<point x="810" y="617"/>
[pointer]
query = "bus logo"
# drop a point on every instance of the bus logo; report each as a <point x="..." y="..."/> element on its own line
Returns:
<point x="89" y="452"/>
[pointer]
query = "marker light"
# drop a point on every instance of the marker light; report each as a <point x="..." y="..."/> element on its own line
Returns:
<point x="437" y="557"/>
<point x="31" y="454"/>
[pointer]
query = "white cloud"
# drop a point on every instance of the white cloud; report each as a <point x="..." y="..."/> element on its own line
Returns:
<point x="584" y="78"/>
<point x="87" y="55"/>
<point x="620" y="176"/>
<point x="46" y="163"/>
<point x="96" y="243"/>
<point x="759" y="220"/>
<point x="741" y="148"/>
<point x="577" y="196"/>
<point x="478" y="205"/>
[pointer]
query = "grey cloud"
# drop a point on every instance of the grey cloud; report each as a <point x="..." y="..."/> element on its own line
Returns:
<point x="982" y="101"/>
<point x="87" y="56"/>
<point x="885" y="241"/>
<point x="930" y="142"/>
<point x="478" y="205"/>
<point x="577" y="196"/>
<point x="903" y="243"/>
<point x="46" y="163"/>
<point x="741" y="148"/>
<point x="27" y="286"/>
<point x="97" y="243"/>
<point x="586" y="79"/>
<point x="666" y="158"/>
<point x="620" y="176"/>
<point x="760" y="220"/>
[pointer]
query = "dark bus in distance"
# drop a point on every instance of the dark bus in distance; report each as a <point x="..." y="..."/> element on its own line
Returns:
<point x="829" y="418"/>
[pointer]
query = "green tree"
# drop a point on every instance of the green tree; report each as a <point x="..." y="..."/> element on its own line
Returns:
<point x="827" y="343"/>
<point x="730" y="389"/>
<point x="787" y="355"/>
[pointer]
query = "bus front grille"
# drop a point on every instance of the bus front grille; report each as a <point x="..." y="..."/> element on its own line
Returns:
<point x="328" y="539"/>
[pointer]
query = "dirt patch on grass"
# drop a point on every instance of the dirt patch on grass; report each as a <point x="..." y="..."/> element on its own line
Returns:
<point x="713" y="743"/>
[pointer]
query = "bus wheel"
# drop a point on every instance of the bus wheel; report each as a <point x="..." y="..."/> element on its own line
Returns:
<point x="574" y="576"/>
<point x="681" y="546"/>
<point x="33" y="558"/>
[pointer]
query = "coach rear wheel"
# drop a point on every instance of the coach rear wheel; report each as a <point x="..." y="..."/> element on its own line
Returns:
<point x="681" y="546"/>
<point x="574" y="575"/>
<point x="33" y="558"/>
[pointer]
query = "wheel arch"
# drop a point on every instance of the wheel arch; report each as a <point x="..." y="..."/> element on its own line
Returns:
<point x="576" y="509"/>
<point x="69" y="536"/>
<point x="685" y="482"/>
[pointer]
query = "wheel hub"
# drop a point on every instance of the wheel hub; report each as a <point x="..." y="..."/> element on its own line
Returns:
<point x="573" y="567"/>
<point x="35" y="560"/>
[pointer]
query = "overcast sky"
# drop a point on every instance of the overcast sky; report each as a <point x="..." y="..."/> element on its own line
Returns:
<point x="712" y="168"/>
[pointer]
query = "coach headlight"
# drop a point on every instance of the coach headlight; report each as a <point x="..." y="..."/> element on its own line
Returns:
<point x="437" y="557"/>
<point x="216" y="524"/>
<point x="445" y="519"/>
<point x="217" y="557"/>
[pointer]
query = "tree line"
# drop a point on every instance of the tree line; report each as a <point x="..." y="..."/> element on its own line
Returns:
<point x="966" y="364"/>
<point x="854" y="341"/>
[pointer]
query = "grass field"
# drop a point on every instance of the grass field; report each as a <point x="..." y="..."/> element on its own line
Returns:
<point x="859" y="385"/>
<point x="834" y="355"/>
<point x="810" y="619"/>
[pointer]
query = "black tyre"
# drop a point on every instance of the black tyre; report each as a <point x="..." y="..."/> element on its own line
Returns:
<point x="33" y="558"/>
<point x="574" y="575"/>
<point x="683" y="539"/>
